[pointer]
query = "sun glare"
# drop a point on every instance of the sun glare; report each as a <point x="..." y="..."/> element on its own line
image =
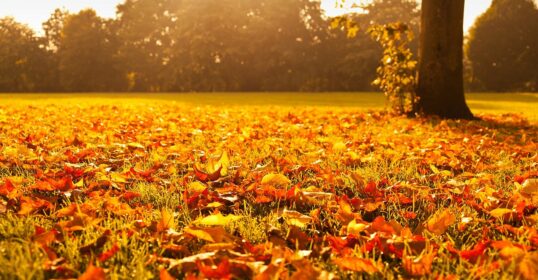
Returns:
<point x="334" y="8"/>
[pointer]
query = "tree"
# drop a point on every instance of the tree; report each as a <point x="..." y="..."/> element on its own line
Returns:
<point x="440" y="74"/>
<point x="23" y="59"/>
<point x="144" y="32"/>
<point x="503" y="47"/>
<point x="87" y="54"/>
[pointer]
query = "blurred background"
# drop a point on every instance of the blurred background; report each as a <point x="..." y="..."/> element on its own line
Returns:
<point x="241" y="45"/>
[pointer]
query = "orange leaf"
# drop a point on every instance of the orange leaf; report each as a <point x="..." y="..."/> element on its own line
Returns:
<point x="167" y="221"/>
<point x="358" y="264"/>
<point x="528" y="266"/>
<point x="417" y="267"/>
<point x="440" y="222"/>
<point x="93" y="273"/>
<point x="164" y="275"/>
<point x="222" y="271"/>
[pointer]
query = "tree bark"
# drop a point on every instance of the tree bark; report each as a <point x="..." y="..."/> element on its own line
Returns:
<point x="440" y="76"/>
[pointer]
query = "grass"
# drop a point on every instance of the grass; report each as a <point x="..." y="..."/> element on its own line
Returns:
<point x="481" y="103"/>
<point x="132" y="160"/>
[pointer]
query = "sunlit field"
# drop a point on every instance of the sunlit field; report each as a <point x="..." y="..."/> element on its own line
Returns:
<point x="274" y="186"/>
<point x="480" y="103"/>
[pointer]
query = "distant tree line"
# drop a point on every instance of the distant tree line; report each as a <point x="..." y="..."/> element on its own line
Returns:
<point x="242" y="45"/>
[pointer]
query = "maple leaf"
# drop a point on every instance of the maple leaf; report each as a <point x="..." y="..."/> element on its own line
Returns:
<point x="167" y="221"/>
<point x="440" y="222"/>
<point x="221" y="271"/>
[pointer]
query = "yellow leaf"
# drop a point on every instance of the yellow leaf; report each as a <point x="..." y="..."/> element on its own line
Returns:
<point x="196" y="186"/>
<point x="167" y="221"/>
<point x="223" y="162"/>
<point x="214" y="205"/>
<point x="80" y="183"/>
<point x="440" y="222"/>
<point x="276" y="180"/>
<point x="339" y="146"/>
<point x="356" y="228"/>
<point x="199" y="233"/>
<point x="136" y="145"/>
<point x="217" y="220"/>
<point x="500" y="212"/>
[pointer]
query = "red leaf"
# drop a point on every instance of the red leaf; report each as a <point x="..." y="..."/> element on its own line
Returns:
<point x="6" y="188"/>
<point x="205" y="177"/>
<point x="222" y="271"/>
<point x="129" y="195"/>
<point x="103" y="257"/>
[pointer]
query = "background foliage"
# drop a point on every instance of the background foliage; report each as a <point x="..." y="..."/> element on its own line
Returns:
<point x="242" y="45"/>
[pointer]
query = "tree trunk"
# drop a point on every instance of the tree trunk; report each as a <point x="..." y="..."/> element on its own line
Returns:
<point x="440" y="76"/>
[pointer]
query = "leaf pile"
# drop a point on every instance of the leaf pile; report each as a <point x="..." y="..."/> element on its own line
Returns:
<point x="143" y="191"/>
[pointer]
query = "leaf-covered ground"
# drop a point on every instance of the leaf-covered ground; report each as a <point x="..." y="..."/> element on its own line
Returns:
<point x="137" y="191"/>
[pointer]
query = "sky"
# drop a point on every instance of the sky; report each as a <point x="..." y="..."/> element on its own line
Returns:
<point x="35" y="12"/>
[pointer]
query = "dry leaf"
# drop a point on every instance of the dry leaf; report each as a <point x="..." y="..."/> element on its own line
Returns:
<point x="276" y="180"/>
<point x="93" y="273"/>
<point x="358" y="264"/>
<point x="217" y="220"/>
<point x="440" y="222"/>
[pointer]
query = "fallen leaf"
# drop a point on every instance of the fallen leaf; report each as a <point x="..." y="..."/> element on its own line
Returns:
<point x="217" y="220"/>
<point x="276" y="180"/>
<point x="530" y="186"/>
<point x="358" y="264"/>
<point x="418" y="266"/>
<point x="500" y="212"/>
<point x="296" y="218"/>
<point x="527" y="268"/>
<point x="440" y="222"/>
<point x="167" y="221"/>
<point x="210" y="234"/>
<point x="164" y="275"/>
<point x="93" y="273"/>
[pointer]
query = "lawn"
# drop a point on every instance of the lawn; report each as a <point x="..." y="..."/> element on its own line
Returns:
<point x="268" y="185"/>
<point x="481" y="103"/>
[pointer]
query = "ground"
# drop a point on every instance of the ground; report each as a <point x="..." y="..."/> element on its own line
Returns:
<point x="265" y="185"/>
